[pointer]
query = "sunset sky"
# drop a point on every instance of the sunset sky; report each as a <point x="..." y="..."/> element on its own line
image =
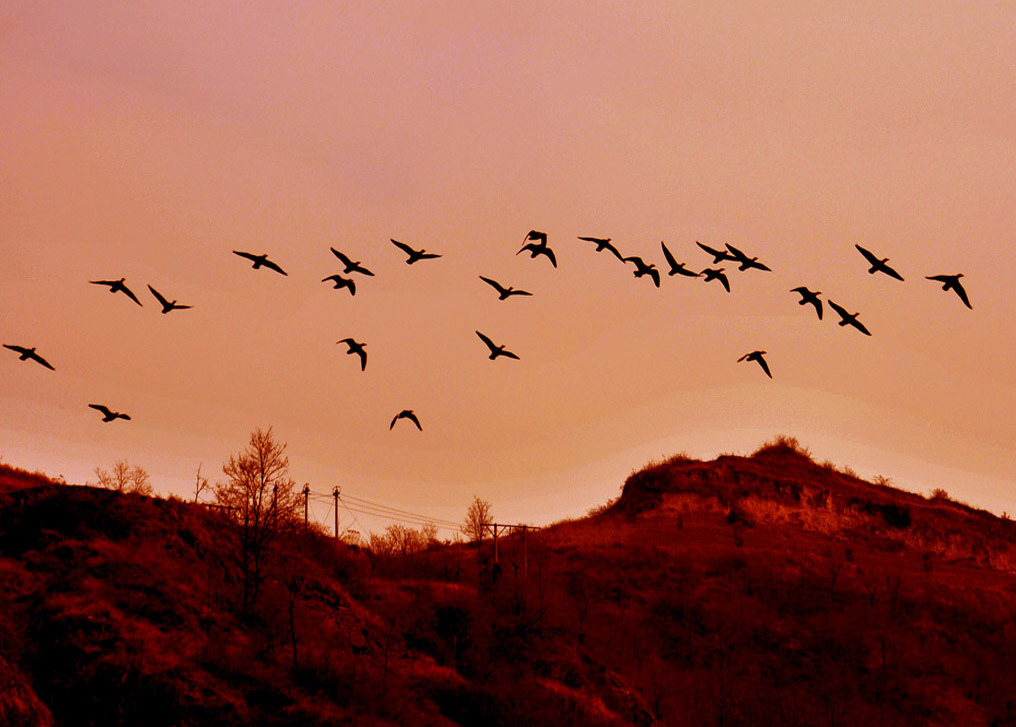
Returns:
<point x="149" y="140"/>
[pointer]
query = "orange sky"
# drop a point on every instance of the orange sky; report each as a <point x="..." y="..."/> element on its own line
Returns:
<point x="149" y="140"/>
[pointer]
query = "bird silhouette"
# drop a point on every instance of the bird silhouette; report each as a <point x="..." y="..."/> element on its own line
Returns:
<point x="503" y="292"/>
<point x="405" y="414"/>
<point x="117" y="286"/>
<point x="877" y="264"/>
<point x="676" y="268"/>
<point x="107" y="415"/>
<point x="716" y="274"/>
<point x="414" y="255"/>
<point x="496" y="350"/>
<point x="352" y="266"/>
<point x="29" y="353"/>
<point x="745" y="261"/>
<point x="539" y="247"/>
<point x="808" y="296"/>
<point x="603" y="243"/>
<point x="718" y="255"/>
<point x="757" y="356"/>
<point x="952" y="282"/>
<point x="356" y="348"/>
<point x="260" y="261"/>
<point x="644" y="268"/>
<point x="341" y="282"/>
<point x="849" y="319"/>
<point x="167" y="305"/>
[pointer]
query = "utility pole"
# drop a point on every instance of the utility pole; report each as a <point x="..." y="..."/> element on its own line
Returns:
<point x="335" y="493"/>
<point x="306" y="496"/>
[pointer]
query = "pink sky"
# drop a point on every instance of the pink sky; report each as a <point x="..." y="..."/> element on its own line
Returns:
<point x="148" y="140"/>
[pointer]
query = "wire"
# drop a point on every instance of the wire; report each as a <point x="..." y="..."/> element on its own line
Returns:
<point x="398" y="511"/>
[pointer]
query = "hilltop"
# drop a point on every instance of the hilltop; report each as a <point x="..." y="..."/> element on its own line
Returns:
<point x="756" y="590"/>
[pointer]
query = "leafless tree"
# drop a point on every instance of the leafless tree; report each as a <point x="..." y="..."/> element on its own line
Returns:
<point x="200" y="484"/>
<point x="261" y="497"/>
<point x="477" y="514"/>
<point x="125" y="478"/>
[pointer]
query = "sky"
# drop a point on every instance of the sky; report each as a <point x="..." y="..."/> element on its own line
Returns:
<point x="149" y="140"/>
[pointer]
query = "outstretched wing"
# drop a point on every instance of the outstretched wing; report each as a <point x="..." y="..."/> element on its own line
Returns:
<point x="412" y="417"/>
<point x="250" y="256"/>
<point x="891" y="272"/>
<point x="839" y="309"/>
<point x="345" y="260"/>
<point x="130" y="294"/>
<point x="99" y="407"/>
<point x="550" y="253"/>
<point x="723" y="279"/>
<point x="33" y="355"/>
<point x="404" y="247"/>
<point x="860" y="326"/>
<point x="18" y="349"/>
<point x="495" y="285"/>
<point x="110" y="283"/>
<point x="509" y="354"/>
<point x="655" y="275"/>
<point x="158" y="296"/>
<point x="738" y="255"/>
<point x="269" y="264"/>
<point x="764" y="365"/>
<point x="962" y="294"/>
<point x="674" y="266"/>
<point x="868" y="255"/>
<point x="490" y="344"/>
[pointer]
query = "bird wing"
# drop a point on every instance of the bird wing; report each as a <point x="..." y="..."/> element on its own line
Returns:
<point x="839" y="309"/>
<point x="100" y="407"/>
<point x="519" y="292"/>
<point x="723" y="279"/>
<point x="962" y="294"/>
<point x="818" y="307"/>
<point x="764" y="365"/>
<point x="868" y="255"/>
<point x="19" y="349"/>
<point x="891" y="272"/>
<point x="130" y="294"/>
<point x="41" y="360"/>
<point x="670" y="258"/>
<point x="939" y="278"/>
<point x="412" y="417"/>
<point x="860" y="326"/>
<point x="738" y="255"/>
<point x="550" y="253"/>
<point x="269" y="264"/>
<point x="760" y="266"/>
<point x="490" y="344"/>
<point x="655" y="275"/>
<point x="616" y="253"/>
<point x="404" y="247"/>
<point x="363" y="358"/>
<point x="428" y="255"/>
<point x="345" y="260"/>
<point x="250" y="256"/>
<point x="743" y="357"/>
<point x="509" y="354"/>
<point x="494" y="284"/>
<point x="110" y="283"/>
<point x="158" y="296"/>
<point x="597" y="240"/>
<point x="122" y="416"/>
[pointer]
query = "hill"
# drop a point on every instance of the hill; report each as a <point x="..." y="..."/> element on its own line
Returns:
<point x="742" y="591"/>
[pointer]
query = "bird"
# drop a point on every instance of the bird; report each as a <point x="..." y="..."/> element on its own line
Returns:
<point x="356" y="348"/>
<point x="716" y="274"/>
<point x="676" y="268"/>
<point x="603" y="243"/>
<point x="745" y="261"/>
<point x="877" y="264"/>
<point x="414" y="255"/>
<point x="117" y="286"/>
<point x="260" y="261"/>
<point x="849" y="319"/>
<point x="29" y="353"/>
<point x="952" y="282"/>
<point x="352" y="266"/>
<point x="405" y="414"/>
<point x="503" y="292"/>
<point x="808" y="296"/>
<point x="107" y="415"/>
<point x="167" y="305"/>
<point x="757" y="356"/>
<point x="644" y="268"/>
<point x="496" y="350"/>
<point x="341" y="282"/>
<point x="718" y="255"/>
<point x="538" y="248"/>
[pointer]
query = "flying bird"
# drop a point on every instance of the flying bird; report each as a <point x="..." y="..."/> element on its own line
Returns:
<point x="603" y="243"/>
<point x="808" y="296"/>
<point x="260" y="261"/>
<point x="538" y="248"/>
<point x="414" y="255"/>
<point x="676" y="268"/>
<point x="352" y="266"/>
<point x="356" y="348"/>
<point x="718" y="255"/>
<point x="716" y="274"/>
<point x="29" y="353"/>
<point x="405" y="414"/>
<point x="167" y="305"/>
<point x="745" y="261"/>
<point x="503" y="292"/>
<point x="878" y="265"/>
<point x="107" y="415"/>
<point x="117" y="286"/>
<point x="644" y="268"/>
<point x="341" y="282"/>
<point x="496" y="350"/>
<point x="757" y="356"/>
<point x="849" y="319"/>
<point x="952" y="282"/>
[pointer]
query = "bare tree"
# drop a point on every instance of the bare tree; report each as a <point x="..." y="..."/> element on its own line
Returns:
<point x="125" y="478"/>
<point x="262" y="498"/>
<point x="477" y="514"/>
<point x="200" y="484"/>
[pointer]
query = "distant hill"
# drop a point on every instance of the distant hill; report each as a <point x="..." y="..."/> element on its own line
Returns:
<point x="762" y="590"/>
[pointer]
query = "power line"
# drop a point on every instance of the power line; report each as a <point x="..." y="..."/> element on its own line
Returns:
<point x="421" y="520"/>
<point x="387" y="511"/>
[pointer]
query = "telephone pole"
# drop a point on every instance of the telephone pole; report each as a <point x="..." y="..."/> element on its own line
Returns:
<point x="335" y="493"/>
<point x="306" y="496"/>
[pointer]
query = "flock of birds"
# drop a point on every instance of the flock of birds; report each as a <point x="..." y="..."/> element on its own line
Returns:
<point x="535" y="243"/>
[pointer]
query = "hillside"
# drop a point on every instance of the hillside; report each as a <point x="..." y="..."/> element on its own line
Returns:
<point x="742" y="591"/>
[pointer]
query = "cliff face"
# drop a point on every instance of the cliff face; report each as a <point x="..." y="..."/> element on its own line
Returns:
<point x="756" y="590"/>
